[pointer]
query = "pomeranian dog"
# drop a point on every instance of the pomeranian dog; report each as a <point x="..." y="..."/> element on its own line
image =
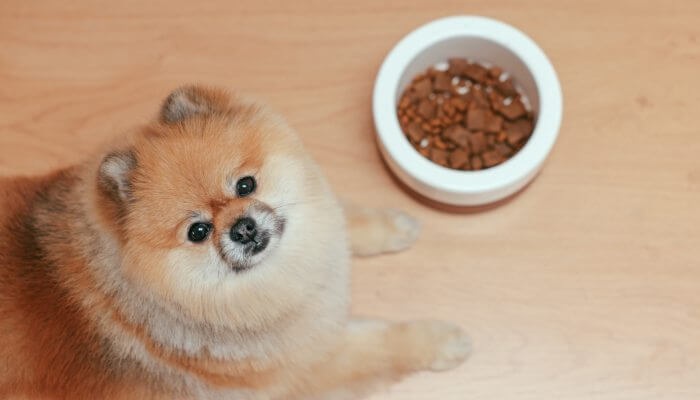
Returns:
<point x="202" y="256"/>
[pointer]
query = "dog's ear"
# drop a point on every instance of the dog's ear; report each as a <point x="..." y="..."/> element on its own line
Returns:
<point x="115" y="175"/>
<point x="188" y="101"/>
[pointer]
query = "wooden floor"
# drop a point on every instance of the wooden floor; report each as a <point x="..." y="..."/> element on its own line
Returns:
<point x="586" y="286"/>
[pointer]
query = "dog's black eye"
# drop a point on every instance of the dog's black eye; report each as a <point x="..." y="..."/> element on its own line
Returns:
<point x="199" y="231"/>
<point x="245" y="186"/>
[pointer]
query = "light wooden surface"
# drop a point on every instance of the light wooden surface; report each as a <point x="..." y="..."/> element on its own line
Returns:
<point x="586" y="286"/>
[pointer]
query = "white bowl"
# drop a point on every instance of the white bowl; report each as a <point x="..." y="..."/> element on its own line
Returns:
<point x="484" y="40"/>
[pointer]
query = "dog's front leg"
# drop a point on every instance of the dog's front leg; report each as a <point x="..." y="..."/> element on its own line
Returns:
<point x="375" y="231"/>
<point x="374" y="354"/>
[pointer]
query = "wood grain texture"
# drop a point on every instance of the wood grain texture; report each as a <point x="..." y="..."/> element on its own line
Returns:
<point x="586" y="286"/>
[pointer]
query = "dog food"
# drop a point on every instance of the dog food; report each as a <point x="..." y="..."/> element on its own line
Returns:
<point x="465" y="116"/>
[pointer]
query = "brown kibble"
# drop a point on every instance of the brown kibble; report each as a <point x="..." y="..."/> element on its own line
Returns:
<point x="477" y="141"/>
<point x="494" y="123"/>
<point x="458" y="158"/>
<point x="457" y="66"/>
<point x="458" y="135"/>
<point x="440" y="112"/>
<point x="506" y="88"/>
<point x="440" y="144"/>
<point x="524" y="125"/>
<point x="449" y="108"/>
<point x="422" y="88"/>
<point x="413" y="96"/>
<point x="476" y="119"/>
<point x="514" y="110"/>
<point x="478" y="97"/>
<point x="492" y="158"/>
<point x="467" y="166"/>
<point x="476" y="73"/>
<point x="443" y="82"/>
<point x="496" y="100"/>
<point x="518" y="130"/>
<point x="459" y="103"/>
<point x="504" y="149"/>
<point x="426" y="109"/>
<point x="476" y="123"/>
<point x="495" y="72"/>
<point x="439" y="156"/>
<point x="415" y="133"/>
<point x="420" y="77"/>
<point x="514" y="136"/>
<point x="476" y="163"/>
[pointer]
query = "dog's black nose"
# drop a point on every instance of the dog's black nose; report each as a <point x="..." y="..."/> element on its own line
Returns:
<point x="244" y="231"/>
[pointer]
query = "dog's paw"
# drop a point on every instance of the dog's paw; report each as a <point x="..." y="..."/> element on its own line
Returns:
<point x="454" y="347"/>
<point x="402" y="230"/>
<point x="376" y="231"/>
<point x="437" y="345"/>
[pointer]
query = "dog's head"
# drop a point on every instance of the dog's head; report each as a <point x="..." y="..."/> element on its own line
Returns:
<point x="218" y="210"/>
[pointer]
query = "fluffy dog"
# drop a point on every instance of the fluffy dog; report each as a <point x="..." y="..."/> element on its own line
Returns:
<point x="201" y="256"/>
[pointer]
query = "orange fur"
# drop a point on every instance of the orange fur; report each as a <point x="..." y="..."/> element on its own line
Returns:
<point x="102" y="295"/>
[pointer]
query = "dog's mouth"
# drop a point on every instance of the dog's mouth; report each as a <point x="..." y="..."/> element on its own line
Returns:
<point x="243" y="256"/>
<point x="258" y="244"/>
<point x="252" y="237"/>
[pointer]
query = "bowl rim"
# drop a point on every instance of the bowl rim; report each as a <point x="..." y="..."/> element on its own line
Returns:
<point x="519" y="167"/>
